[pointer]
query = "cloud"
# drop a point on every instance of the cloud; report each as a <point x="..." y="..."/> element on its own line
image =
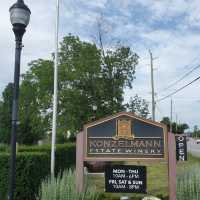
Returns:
<point x="95" y="4"/>
<point x="38" y="40"/>
<point x="171" y="29"/>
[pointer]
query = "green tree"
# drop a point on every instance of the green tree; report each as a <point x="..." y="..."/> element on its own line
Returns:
<point x="35" y="101"/>
<point x="196" y="132"/>
<point x="138" y="106"/>
<point x="6" y="113"/>
<point x="166" y="121"/>
<point x="176" y="128"/>
<point x="181" y="128"/>
<point x="89" y="78"/>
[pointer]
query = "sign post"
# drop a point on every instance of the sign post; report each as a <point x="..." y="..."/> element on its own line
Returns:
<point x="79" y="163"/>
<point x="126" y="137"/>
<point x="172" y="166"/>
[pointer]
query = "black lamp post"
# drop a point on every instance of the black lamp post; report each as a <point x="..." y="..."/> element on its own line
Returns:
<point x="19" y="16"/>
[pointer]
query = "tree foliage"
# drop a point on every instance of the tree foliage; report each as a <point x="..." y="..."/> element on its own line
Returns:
<point x="138" y="106"/>
<point x="196" y="132"/>
<point x="5" y="114"/>
<point x="35" y="101"/>
<point x="176" y="128"/>
<point x="88" y="77"/>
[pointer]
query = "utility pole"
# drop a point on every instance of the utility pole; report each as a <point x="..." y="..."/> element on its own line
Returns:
<point x="152" y="86"/>
<point x="171" y="116"/>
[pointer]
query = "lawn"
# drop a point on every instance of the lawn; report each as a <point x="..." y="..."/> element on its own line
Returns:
<point x="157" y="179"/>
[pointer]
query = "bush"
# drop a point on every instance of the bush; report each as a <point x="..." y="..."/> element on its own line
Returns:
<point x="33" y="165"/>
<point x="65" y="154"/>
<point x="3" y="148"/>
<point x="64" y="188"/>
<point x="31" y="168"/>
<point x="188" y="184"/>
<point x="4" y="167"/>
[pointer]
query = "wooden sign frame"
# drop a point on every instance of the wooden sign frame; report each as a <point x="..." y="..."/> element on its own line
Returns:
<point x="170" y="156"/>
<point x="124" y="158"/>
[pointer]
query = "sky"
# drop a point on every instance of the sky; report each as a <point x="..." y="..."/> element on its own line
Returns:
<point x="170" y="29"/>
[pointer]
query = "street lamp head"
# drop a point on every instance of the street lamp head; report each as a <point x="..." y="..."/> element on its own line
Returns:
<point x="19" y="17"/>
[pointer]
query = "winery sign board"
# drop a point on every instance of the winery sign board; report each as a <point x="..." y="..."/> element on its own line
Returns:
<point x="125" y="136"/>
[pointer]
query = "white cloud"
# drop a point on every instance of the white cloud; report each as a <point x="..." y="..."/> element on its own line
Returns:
<point x="38" y="40"/>
<point x="176" y="44"/>
<point x="95" y="4"/>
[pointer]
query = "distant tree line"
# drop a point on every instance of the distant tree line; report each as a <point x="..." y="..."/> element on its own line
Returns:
<point x="91" y="83"/>
<point x="196" y="132"/>
<point x="177" y="128"/>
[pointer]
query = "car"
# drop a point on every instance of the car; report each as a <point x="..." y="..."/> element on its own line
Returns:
<point x="198" y="141"/>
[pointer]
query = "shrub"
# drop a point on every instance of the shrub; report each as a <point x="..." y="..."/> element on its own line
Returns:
<point x="3" y="148"/>
<point x="31" y="168"/>
<point x="65" y="154"/>
<point x="4" y="167"/>
<point x="188" y="184"/>
<point x="64" y="188"/>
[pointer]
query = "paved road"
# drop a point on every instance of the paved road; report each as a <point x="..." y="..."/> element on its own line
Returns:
<point x="193" y="147"/>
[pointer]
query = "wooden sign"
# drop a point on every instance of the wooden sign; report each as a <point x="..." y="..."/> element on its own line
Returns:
<point x="127" y="179"/>
<point x="181" y="147"/>
<point x="125" y="136"/>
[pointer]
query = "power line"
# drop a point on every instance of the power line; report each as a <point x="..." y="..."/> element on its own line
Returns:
<point x="159" y="110"/>
<point x="183" y="77"/>
<point x="169" y="95"/>
<point x="193" y="60"/>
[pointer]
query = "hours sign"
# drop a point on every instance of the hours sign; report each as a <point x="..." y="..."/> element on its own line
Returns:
<point x="124" y="178"/>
